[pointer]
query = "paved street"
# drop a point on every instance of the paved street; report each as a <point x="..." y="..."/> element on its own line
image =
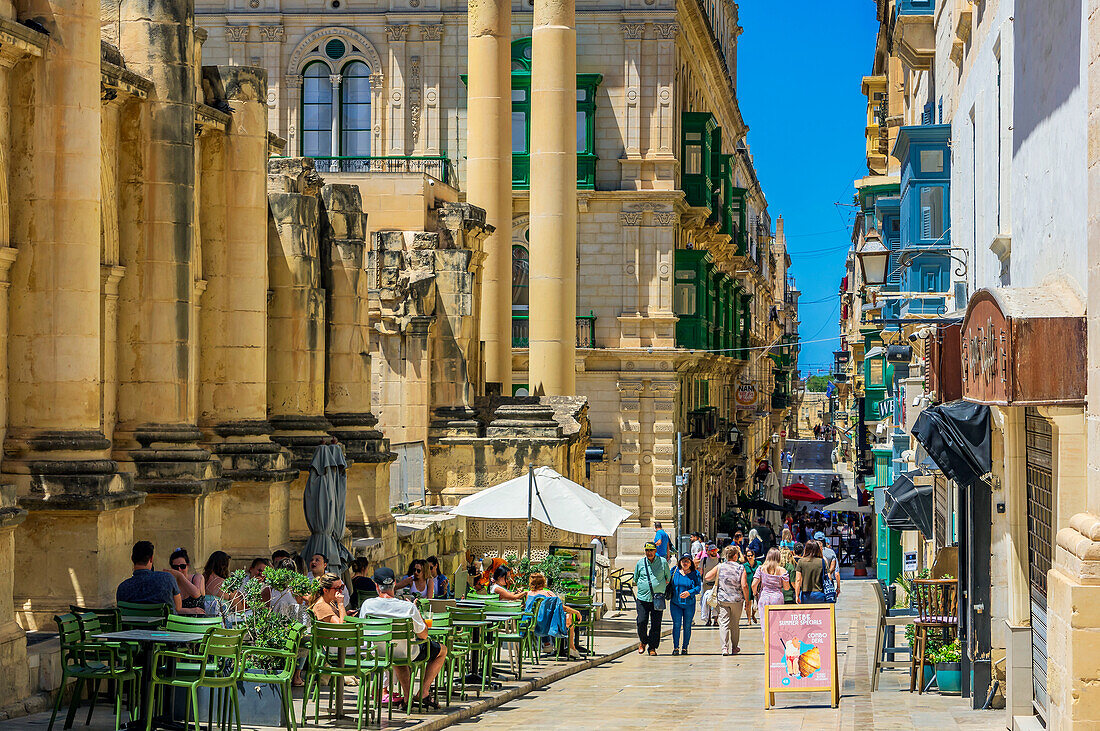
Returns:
<point x="813" y="465"/>
<point x="705" y="689"/>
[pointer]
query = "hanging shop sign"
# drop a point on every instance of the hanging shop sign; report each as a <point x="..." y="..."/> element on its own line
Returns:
<point x="800" y="650"/>
<point x="746" y="395"/>
<point x="1024" y="346"/>
<point x="943" y="377"/>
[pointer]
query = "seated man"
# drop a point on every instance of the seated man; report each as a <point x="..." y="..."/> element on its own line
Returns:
<point x="318" y="567"/>
<point x="386" y="605"/>
<point x="148" y="586"/>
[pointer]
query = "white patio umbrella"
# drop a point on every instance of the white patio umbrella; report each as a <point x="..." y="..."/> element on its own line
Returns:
<point x="544" y="495"/>
<point x="847" y="505"/>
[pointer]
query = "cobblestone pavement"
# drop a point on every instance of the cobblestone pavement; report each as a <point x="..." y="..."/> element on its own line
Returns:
<point x="705" y="690"/>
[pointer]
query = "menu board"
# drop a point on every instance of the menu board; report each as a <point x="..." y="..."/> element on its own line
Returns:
<point x="580" y="565"/>
<point x="800" y="650"/>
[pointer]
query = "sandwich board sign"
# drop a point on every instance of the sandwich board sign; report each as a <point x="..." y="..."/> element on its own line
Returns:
<point x="800" y="650"/>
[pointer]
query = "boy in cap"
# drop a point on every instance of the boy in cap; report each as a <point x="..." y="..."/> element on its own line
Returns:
<point x="387" y="605"/>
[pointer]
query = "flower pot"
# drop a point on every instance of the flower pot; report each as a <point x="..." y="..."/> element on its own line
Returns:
<point x="261" y="704"/>
<point x="948" y="677"/>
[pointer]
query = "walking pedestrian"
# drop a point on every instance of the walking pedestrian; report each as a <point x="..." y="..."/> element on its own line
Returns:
<point x="663" y="542"/>
<point x="651" y="577"/>
<point x="732" y="587"/>
<point x="770" y="582"/>
<point x="710" y="560"/>
<point x="786" y="540"/>
<point x="767" y="535"/>
<point x="686" y="585"/>
<point x="751" y="565"/>
<point x="809" y="587"/>
<point x="832" y="564"/>
<point x="696" y="544"/>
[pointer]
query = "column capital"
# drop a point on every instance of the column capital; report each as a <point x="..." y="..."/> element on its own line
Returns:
<point x="667" y="31"/>
<point x="272" y="33"/>
<point x="431" y="32"/>
<point x="397" y="33"/>
<point x="236" y="33"/>
<point x="632" y="31"/>
<point x="335" y="79"/>
<point x="294" y="81"/>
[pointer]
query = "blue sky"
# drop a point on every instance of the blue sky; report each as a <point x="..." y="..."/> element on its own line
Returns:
<point x="798" y="82"/>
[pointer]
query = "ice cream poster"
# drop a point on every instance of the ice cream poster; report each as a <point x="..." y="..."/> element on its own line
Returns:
<point x="801" y="648"/>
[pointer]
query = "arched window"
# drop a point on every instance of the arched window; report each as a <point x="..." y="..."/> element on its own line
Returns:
<point x="316" y="111"/>
<point x="355" y="121"/>
<point x="521" y="270"/>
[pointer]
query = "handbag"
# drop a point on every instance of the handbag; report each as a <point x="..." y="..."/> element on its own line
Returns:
<point x="827" y="584"/>
<point x="659" y="600"/>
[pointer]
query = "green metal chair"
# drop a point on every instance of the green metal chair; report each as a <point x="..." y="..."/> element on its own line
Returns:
<point x="469" y="641"/>
<point x="108" y="616"/>
<point x="379" y="632"/>
<point x="587" y="622"/>
<point x="193" y="625"/>
<point x="275" y="666"/>
<point x="134" y="615"/>
<point x="221" y="649"/>
<point x="92" y="662"/>
<point x="517" y="639"/>
<point x="336" y="651"/>
<point x="90" y="626"/>
<point x="443" y="632"/>
<point x="403" y="638"/>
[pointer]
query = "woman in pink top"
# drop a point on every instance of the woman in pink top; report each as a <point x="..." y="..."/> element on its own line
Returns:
<point x="771" y="580"/>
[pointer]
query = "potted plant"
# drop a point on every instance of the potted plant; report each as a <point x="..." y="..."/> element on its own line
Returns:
<point x="264" y="627"/>
<point x="948" y="674"/>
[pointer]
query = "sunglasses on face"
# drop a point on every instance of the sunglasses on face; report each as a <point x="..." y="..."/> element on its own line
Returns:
<point x="179" y="566"/>
<point x="338" y="587"/>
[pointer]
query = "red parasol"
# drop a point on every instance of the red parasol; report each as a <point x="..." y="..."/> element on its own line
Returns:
<point x="802" y="491"/>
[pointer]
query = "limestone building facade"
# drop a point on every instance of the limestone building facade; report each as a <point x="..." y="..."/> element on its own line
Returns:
<point x="682" y="296"/>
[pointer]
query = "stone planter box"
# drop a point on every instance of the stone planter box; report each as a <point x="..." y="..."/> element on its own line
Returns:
<point x="261" y="704"/>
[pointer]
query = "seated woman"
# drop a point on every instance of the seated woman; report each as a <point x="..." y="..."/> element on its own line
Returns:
<point x="328" y="605"/>
<point x="361" y="580"/>
<point x="536" y="585"/>
<point x="440" y="586"/>
<point x="417" y="579"/>
<point x="502" y="579"/>
<point x="215" y="573"/>
<point x="191" y="585"/>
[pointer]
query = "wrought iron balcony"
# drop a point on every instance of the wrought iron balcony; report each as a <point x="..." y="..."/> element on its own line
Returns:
<point x="437" y="166"/>
<point x="586" y="331"/>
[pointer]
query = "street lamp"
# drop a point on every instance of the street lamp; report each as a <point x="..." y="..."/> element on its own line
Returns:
<point x="873" y="257"/>
<point x="775" y="439"/>
<point x="734" y="434"/>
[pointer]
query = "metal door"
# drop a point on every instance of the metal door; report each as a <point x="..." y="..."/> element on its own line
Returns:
<point x="1040" y="520"/>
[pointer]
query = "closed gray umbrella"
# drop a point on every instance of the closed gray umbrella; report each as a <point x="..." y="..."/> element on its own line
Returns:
<point x="326" y="515"/>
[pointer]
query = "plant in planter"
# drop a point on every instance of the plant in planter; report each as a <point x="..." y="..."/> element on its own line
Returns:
<point x="948" y="674"/>
<point x="551" y="567"/>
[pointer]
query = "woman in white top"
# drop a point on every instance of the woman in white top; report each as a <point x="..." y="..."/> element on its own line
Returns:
<point x="417" y="580"/>
<point x="502" y="577"/>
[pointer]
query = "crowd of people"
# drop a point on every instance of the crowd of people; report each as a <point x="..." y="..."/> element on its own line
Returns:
<point x="731" y="581"/>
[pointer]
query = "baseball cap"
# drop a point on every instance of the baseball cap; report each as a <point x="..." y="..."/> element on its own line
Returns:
<point x="649" y="546"/>
<point x="384" y="576"/>
<point x="819" y="536"/>
<point x="711" y="545"/>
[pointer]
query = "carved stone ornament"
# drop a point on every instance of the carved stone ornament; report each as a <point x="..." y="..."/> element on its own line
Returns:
<point x="664" y="218"/>
<point x="414" y="97"/>
<point x="397" y="33"/>
<point x="667" y="31"/>
<point x="630" y="218"/>
<point x="431" y="32"/>
<point x="272" y="33"/>
<point x="633" y="31"/>
<point x="236" y="33"/>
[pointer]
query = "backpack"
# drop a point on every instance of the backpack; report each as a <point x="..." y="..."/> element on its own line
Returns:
<point x="827" y="584"/>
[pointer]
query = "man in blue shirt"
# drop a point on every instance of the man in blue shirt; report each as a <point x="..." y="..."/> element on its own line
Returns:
<point x="662" y="541"/>
<point x="147" y="586"/>
<point x="651" y="577"/>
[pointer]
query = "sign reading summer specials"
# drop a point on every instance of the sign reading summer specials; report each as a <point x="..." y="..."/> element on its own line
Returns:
<point x="800" y="650"/>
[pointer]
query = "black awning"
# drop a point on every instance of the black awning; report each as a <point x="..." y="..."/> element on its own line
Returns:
<point x="909" y="506"/>
<point x="956" y="436"/>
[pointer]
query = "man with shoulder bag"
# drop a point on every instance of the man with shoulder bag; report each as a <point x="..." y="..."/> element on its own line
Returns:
<point x="651" y="577"/>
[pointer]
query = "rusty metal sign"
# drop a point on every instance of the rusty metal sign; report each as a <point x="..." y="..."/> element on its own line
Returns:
<point x="1022" y="357"/>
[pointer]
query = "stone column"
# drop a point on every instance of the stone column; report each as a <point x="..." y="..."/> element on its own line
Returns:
<point x="334" y="141"/>
<point x="296" y="320"/>
<point x="429" y="140"/>
<point x="398" y="36"/>
<point x="55" y="453"/>
<point x="348" y="362"/>
<point x="630" y="449"/>
<point x="664" y="448"/>
<point x="553" y="199"/>
<point x="156" y="437"/>
<point x="489" y="173"/>
<point x="233" y="322"/>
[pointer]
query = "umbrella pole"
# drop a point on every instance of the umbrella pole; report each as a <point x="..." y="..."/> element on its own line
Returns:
<point x="530" y="504"/>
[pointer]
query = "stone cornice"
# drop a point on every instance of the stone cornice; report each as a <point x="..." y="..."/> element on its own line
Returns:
<point x="118" y="84"/>
<point x="17" y="41"/>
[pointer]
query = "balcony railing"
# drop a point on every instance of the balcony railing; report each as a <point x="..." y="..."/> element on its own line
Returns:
<point x="586" y="331"/>
<point x="438" y="167"/>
